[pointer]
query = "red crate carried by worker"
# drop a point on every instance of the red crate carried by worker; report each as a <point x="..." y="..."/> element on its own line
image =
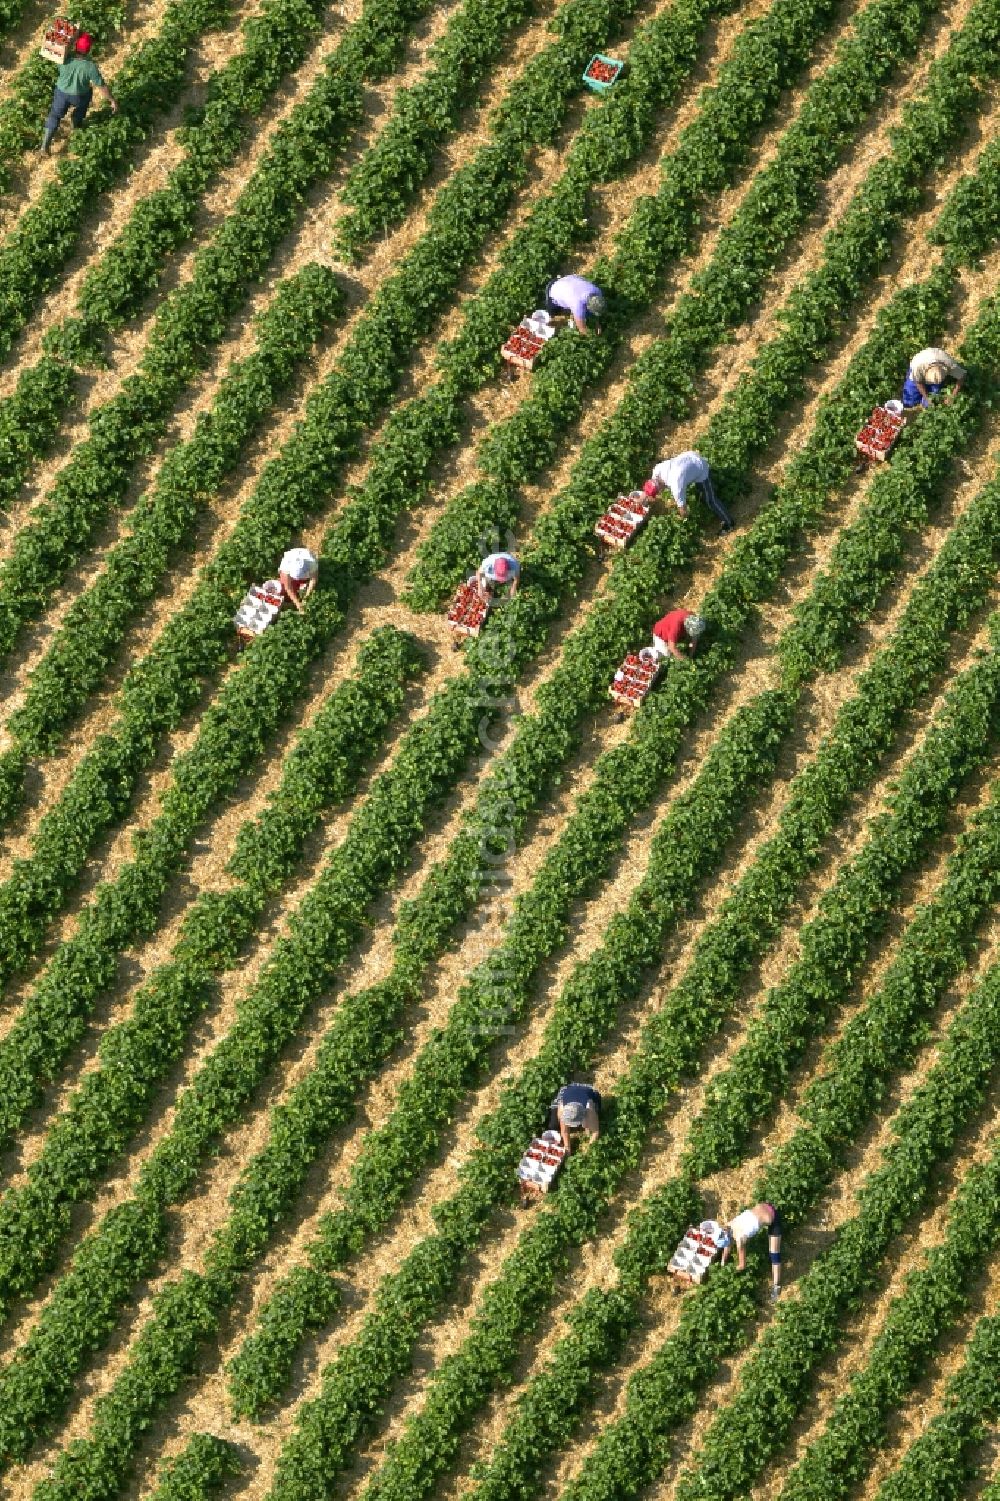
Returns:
<point x="880" y="432"/>
<point x="60" y="40"/>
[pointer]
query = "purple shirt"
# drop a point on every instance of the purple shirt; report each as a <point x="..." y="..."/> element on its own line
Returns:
<point x="571" y="293"/>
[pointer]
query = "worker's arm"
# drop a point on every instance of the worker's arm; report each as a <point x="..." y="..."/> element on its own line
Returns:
<point x="564" y="1133"/>
<point x="593" y="1122"/>
<point x="290" y="591"/>
<point x="310" y="586"/>
<point x="108" y="97"/>
<point x="741" y="1255"/>
<point x="581" y="326"/>
<point x="513" y="587"/>
<point x="959" y="382"/>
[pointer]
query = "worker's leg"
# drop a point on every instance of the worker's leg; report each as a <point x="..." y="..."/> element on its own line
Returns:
<point x="715" y="504"/>
<point x="774" y="1253"/>
<point x="81" y="104"/>
<point x="60" y="104"/>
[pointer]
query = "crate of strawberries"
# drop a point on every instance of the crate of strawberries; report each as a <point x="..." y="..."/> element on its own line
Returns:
<point x="635" y="677"/>
<point x="524" y="346"/>
<point x="880" y="432"/>
<point x="623" y="520"/>
<point x="541" y="1162"/>
<point x="60" y="40"/>
<point x="697" y="1250"/>
<point x="468" y="611"/>
<point x="602" y="73"/>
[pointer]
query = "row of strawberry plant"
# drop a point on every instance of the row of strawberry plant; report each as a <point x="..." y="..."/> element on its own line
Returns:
<point x="63" y="988"/>
<point x="672" y="49"/>
<point x="431" y="1097"/>
<point x="778" y="204"/>
<point x="386" y="179"/>
<point x="327" y="924"/>
<point x="861" y="736"/>
<point x="931" y="1301"/>
<point x="193" y="319"/>
<point x="185" y="488"/>
<point x="174" y="1311"/>
<point x="187" y="638"/>
<point x="662" y="379"/>
<point x="775" y="1382"/>
<point x="35" y="252"/>
<point x="632" y="1450"/>
<point x="447" y="894"/>
<point x="940" y="1463"/>
<point x="512" y="1303"/>
<point x="274" y="44"/>
<point x="323" y="769"/>
<point x="200" y="1471"/>
<point x="167" y="681"/>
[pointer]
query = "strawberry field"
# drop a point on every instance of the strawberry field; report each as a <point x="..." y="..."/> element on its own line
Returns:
<point x="301" y="933"/>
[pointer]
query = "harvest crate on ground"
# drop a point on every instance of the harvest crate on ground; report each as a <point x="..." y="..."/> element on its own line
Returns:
<point x="469" y="611"/>
<point x="623" y="520"/>
<point x="876" y="438"/>
<point x="636" y="677"/>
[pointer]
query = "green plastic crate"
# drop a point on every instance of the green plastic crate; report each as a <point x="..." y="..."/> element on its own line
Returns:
<point x="596" y="84"/>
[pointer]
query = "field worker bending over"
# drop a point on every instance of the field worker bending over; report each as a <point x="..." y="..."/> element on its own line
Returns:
<point x="677" y="474"/>
<point x="75" y="84"/>
<point x="927" y="374"/>
<point x="744" y="1227"/>
<point x="678" y="628"/>
<point x="576" y="296"/>
<point x="298" y="572"/>
<point x="577" y="1107"/>
<point x="496" y="571"/>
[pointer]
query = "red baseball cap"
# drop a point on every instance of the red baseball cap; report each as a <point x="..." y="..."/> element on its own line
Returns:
<point x="84" y="42"/>
<point x="650" y="489"/>
<point x="501" y="568"/>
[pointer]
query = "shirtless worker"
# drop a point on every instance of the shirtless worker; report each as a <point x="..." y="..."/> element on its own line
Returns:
<point x="681" y="472"/>
<point x="744" y="1227"/>
<point x="576" y="296"/>
<point x="577" y="1107"/>
<point x="676" y="629"/>
<point x="928" y="372"/>
<point x="75" y="82"/>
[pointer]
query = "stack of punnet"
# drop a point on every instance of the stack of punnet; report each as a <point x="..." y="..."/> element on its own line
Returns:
<point x="880" y="431"/>
<point x="468" y="610"/>
<point x="635" y="677"/>
<point x="623" y="520"/>
<point x="259" y="606"/>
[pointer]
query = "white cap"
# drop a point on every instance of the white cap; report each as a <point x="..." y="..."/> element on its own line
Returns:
<point x="299" y="563"/>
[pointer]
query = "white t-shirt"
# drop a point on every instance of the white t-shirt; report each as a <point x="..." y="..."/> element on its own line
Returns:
<point x="745" y="1225"/>
<point x="489" y="568"/>
<point x="299" y="563"/>
<point x="687" y="468"/>
<point x="921" y="363"/>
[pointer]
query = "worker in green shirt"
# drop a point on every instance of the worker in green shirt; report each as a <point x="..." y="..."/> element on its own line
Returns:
<point x="75" y="83"/>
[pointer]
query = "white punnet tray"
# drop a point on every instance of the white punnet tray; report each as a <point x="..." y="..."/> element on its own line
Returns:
<point x="542" y="1161"/>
